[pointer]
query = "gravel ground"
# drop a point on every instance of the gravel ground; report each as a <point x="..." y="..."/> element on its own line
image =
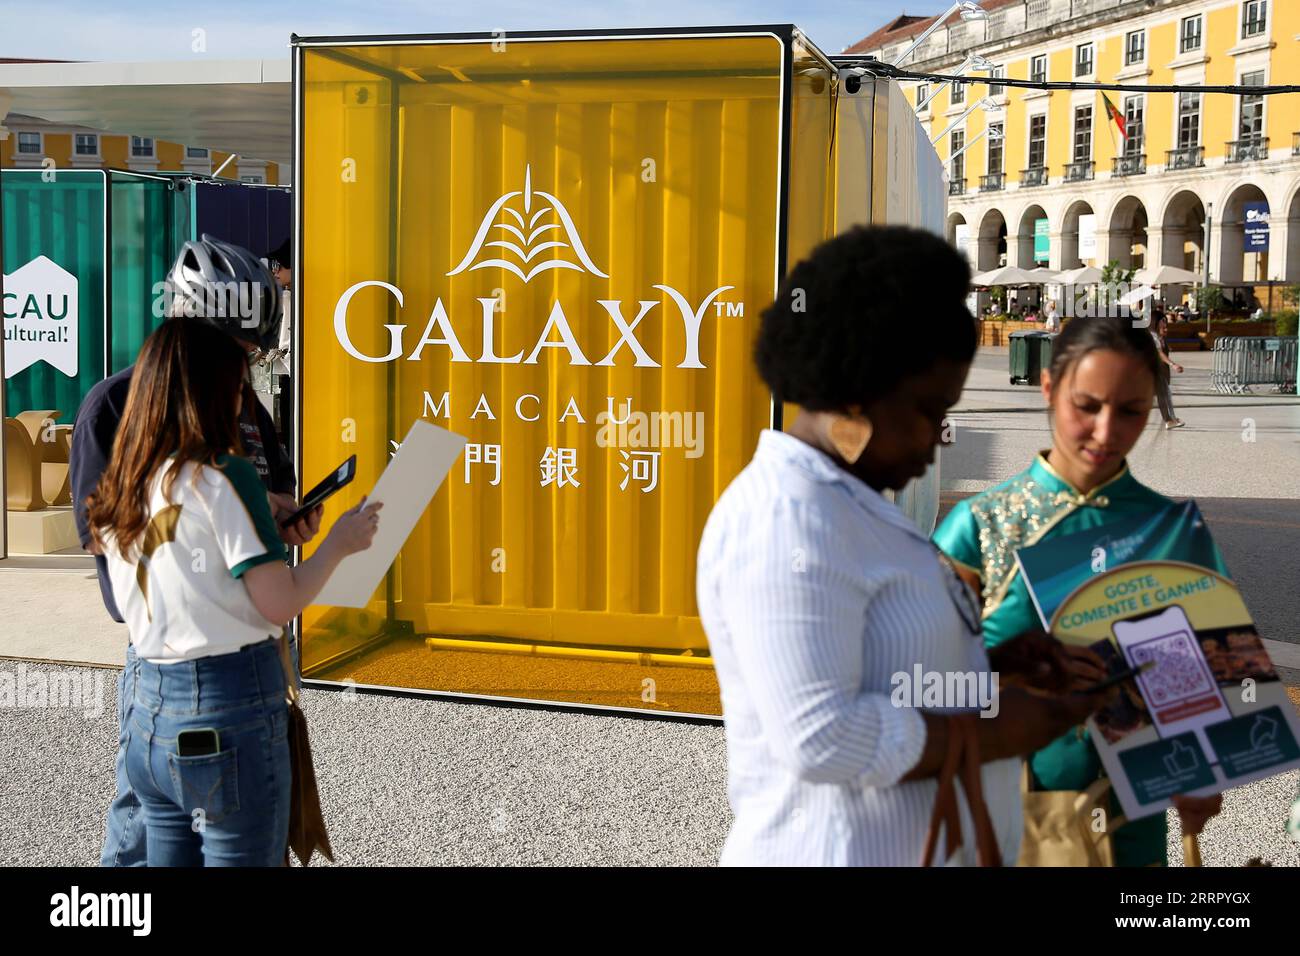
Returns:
<point x="418" y="781"/>
<point x="414" y="782"/>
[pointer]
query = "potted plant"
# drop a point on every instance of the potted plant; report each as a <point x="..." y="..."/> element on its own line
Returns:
<point x="1209" y="299"/>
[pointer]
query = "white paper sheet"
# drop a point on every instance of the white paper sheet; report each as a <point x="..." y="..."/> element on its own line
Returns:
<point x="405" y="488"/>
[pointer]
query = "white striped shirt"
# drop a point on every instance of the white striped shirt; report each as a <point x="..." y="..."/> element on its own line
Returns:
<point x="814" y="591"/>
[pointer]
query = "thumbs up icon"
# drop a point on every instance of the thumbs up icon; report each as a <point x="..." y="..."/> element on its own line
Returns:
<point x="1181" y="759"/>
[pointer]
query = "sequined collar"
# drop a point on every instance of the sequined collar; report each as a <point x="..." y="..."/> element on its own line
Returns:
<point x="1066" y="493"/>
<point x="1021" y="510"/>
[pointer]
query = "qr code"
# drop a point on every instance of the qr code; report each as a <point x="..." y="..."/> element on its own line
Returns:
<point x="1179" y="670"/>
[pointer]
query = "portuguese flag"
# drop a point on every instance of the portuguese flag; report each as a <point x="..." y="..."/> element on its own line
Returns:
<point x="1115" y="115"/>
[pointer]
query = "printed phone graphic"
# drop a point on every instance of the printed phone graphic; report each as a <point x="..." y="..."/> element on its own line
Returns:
<point x="1180" y="691"/>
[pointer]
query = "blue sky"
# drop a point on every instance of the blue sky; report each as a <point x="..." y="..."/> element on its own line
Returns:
<point x="237" y="29"/>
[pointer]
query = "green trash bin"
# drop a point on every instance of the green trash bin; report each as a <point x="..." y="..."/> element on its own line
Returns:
<point x="1046" y="340"/>
<point x="1031" y="352"/>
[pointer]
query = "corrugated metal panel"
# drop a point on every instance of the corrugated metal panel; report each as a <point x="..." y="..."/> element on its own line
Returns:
<point x="666" y="154"/>
<point x="252" y="216"/>
<point x="62" y="220"/>
<point x="144" y="244"/>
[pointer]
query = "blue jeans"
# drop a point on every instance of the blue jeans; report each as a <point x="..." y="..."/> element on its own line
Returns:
<point x="229" y="808"/>
<point x="124" y="832"/>
<point x="124" y="840"/>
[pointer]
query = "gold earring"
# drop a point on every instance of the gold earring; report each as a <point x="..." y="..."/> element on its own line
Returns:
<point x="850" y="436"/>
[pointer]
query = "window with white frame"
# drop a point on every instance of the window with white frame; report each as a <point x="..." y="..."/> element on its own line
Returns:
<point x="1082" y="134"/>
<point x="1134" y="125"/>
<point x="1135" y="47"/>
<point x="959" y="162"/>
<point x="196" y="152"/>
<point x="1038" y="141"/>
<point x="1038" y="68"/>
<point x="1250" y="127"/>
<point x="1083" y="59"/>
<point x="998" y="73"/>
<point x="1189" y="33"/>
<point x="86" y="144"/>
<point x="250" y="179"/>
<point x="922" y="91"/>
<point x="958" y="93"/>
<point x="995" y="149"/>
<point x="1254" y="16"/>
<point x="142" y="147"/>
<point x="1189" y="120"/>
<point x="29" y="144"/>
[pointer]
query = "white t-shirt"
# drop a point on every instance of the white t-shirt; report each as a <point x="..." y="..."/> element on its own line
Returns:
<point x="179" y="588"/>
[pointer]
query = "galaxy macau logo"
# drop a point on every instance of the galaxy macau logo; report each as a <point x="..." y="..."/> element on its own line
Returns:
<point x="515" y="231"/>
<point x="522" y="216"/>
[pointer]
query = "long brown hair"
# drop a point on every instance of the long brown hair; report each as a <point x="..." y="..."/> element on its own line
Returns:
<point x="182" y="403"/>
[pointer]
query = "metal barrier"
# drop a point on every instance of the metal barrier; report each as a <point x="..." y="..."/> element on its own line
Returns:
<point x="1242" y="361"/>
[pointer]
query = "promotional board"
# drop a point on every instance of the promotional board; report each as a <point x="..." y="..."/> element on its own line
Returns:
<point x="1207" y="710"/>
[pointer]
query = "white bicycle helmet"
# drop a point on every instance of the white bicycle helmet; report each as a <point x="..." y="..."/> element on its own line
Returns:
<point x="229" y="287"/>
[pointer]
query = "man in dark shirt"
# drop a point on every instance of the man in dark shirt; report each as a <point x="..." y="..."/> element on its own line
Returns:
<point x="204" y="272"/>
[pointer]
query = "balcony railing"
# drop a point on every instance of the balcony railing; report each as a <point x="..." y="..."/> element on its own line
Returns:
<point x="1080" y="172"/>
<point x="993" y="182"/>
<point x="1129" y="165"/>
<point x="957" y="187"/>
<point x="1185" y="157"/>
<point x="1247" y="150"/>
<point x="1037" y="176"/>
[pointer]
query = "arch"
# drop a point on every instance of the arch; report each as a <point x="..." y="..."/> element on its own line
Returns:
<point x="991" y="242"/>
<point x="955" y="219"/>
<point x="1025" y="235"/>
<point x="1182" y="231"/>
<point x="1070" y="253"/>
<point x="957" y="232"/>
<point x="1127" y="226"/>
<point x="1236" y="264"/>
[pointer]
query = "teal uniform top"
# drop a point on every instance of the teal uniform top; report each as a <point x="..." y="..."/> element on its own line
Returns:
<point x="981" y="535"/>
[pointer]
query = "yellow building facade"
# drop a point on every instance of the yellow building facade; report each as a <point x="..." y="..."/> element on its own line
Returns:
<point x="1061" y="167"/>
<point x="31" y="142"/>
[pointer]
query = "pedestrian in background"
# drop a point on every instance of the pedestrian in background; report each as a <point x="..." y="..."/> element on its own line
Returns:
<point x="1052" y="319"/>
<point x="1164" y="392"/>
<point x="197" y="570"/>
<point x="281" y="262"/>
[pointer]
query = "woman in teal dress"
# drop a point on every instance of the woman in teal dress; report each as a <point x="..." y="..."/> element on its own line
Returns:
<point x="1099" y="390"/>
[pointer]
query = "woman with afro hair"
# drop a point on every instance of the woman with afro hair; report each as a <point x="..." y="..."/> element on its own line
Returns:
<point x="827" y="610"/>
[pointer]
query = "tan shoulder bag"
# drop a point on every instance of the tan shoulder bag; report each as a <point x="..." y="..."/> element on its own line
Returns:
<point x="1059" y="827"/>
<point x="307" y="833"/>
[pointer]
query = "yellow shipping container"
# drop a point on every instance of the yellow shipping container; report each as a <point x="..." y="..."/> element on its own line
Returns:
<point x="559" y="247"/>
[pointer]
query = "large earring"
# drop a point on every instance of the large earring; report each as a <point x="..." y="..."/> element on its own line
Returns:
<point x="850" y="436"/>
